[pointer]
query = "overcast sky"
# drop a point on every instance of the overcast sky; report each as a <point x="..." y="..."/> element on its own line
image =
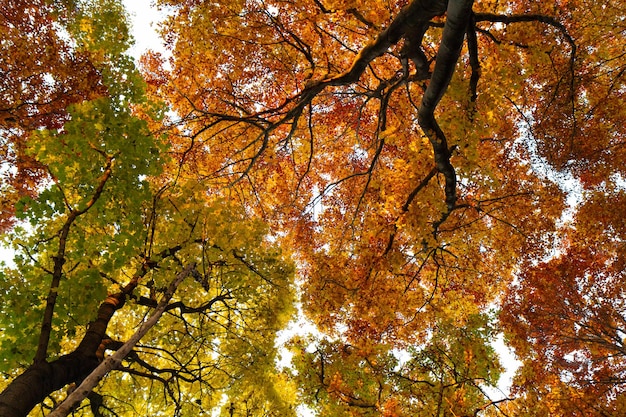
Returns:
<point x="144" y="17"/>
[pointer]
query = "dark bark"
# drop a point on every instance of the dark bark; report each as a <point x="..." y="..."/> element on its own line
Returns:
<point x="114" y="361"/>
<point x="458" y="18"/>
<point x="412" y="20"/>
<point x="411" y="24"/>
<point x="59" y="261"/>
<point x="42" y="378"/>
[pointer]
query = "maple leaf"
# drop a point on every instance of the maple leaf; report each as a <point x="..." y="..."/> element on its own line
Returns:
<point x="415" y="160"/>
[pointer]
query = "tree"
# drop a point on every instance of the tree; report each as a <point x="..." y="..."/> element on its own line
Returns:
<point x="415" y="160"/>
<point x="99" y="236"/>
<point x="567" y="314"/>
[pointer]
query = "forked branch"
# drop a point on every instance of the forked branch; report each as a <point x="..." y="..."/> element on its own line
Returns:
<point x="114" y="361"/>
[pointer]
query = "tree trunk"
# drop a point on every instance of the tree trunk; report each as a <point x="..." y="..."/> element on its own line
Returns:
<point x="43" y="378"/>
<point x="39" y="380"/>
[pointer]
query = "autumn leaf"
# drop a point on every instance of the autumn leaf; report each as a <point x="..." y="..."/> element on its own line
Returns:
<point x="413" y="180"/>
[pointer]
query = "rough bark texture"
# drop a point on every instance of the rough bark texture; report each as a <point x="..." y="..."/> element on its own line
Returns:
<point x="41" y="379"/>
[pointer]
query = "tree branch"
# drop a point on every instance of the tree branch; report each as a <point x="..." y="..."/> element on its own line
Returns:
<point x="59" y="261"/>
<point x="459" y="12"/>
<point x="114" y="361"/>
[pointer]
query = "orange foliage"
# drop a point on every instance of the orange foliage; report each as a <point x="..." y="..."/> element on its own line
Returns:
<point x="312" y="114"/>
<point x="417" y="158"/>
<point x="41" y="74"/>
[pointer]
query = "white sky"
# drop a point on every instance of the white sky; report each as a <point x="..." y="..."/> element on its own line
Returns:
<point x="144" y="18"/>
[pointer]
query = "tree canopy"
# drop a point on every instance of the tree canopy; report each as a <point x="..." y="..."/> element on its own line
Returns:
<point x="413" y="179"/>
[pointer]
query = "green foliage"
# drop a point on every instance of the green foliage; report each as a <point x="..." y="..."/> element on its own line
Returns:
<point x="100" y="26"/>
<point x="19" y="331"/>
<point x="77" y="155"/>
<point x="415" y="188"/>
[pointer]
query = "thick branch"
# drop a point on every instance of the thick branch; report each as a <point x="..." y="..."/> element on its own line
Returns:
<point x="409" y="21"/>
<point x="415" y="15"/>
<point x="472" y="46"/>
<point x="459" y="12"/>
<point x="42" y="378"/>
<point x="114" y="361"/>
<point x="59" y="261"/>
